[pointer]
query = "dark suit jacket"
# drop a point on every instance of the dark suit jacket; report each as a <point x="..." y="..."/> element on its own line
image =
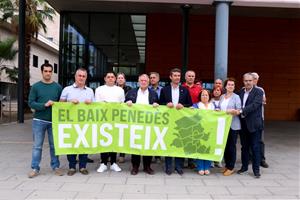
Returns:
<point x="253" y="109"/>
<point x="184" y="96"/>
<point x="132" y="95"/>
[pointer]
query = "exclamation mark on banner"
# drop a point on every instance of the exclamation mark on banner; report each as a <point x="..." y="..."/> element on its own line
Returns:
<point x="220" y="135"/>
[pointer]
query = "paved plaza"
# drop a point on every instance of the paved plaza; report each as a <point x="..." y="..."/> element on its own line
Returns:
<point x="279" y="181"/>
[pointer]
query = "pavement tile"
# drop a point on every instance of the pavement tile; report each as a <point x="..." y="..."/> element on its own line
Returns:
<point x="120" y="188"/>
<point x="115" y="180"/>
<point x="9" y="184"/>
<point x="14" y="194"/>
<point x="36" y="185"/>
<point x="98" y="195"/>
<point x="186" y="181"/>
<point x="189" y="196"/>
<point x="240" y="197"/>
<point x="235" y="190"/>
<point x="51" y="195"/>
<point x="146" y="181"/>
<point x="288" y="183"/>
<point x="258" y="182"/>
<point x="144" y="196"/>
<point x="281" y="197"/>
<point x="207" y="190"/>
<point x="166" y="189"/>
<point x="81" y="187"/>
<point x="222" y="182"/>
<point x="76" y="178"/>
<point x="284" y="190"/>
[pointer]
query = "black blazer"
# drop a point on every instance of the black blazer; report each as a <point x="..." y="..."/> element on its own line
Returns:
<point x="184" y="96"/>
<point x="253" y="109"/>
<point x="132" y="95"/>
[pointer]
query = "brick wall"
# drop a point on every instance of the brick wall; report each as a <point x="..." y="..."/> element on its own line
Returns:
<point x="268" y="46"/>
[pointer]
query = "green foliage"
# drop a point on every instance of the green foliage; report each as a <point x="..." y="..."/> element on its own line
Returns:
<point x="7" y="52"/>
<point x="191" y="135"/>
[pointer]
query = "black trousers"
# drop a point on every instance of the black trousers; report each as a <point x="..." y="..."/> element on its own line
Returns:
<point x="136" y="161"/>
<point x="230" y="149"/>
<point x="105" y="156"/>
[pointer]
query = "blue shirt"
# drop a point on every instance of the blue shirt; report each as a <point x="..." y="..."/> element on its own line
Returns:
<point x="157" y="90"/>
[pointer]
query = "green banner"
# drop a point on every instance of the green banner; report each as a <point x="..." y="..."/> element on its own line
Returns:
<point x="139" y="129"/>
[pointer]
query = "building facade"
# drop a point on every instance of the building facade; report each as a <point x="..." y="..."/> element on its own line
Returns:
<point x="214" y="38"/>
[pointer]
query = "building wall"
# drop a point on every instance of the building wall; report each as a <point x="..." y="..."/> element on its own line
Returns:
<point x="268" y="46"/>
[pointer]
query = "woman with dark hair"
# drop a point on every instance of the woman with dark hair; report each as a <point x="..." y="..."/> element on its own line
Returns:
<point x="231" y="104"/>
<point x="204" y="104"/>
<point x="121" y="82"/>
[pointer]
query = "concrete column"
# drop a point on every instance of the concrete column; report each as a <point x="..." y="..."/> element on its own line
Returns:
<point x="221" y="39"/>
<point x="185" y="38"/>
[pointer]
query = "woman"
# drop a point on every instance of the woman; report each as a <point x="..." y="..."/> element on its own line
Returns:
<point x="216" y="94"/>
<point x="203" y="165"/>
<point x="231" y="104"/>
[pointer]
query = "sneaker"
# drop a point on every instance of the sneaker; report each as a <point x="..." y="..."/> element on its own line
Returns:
<point x="102" y="168"/>
<point x="201" y="172"/>
<point x="71" y="172"/>
<point x="242" y="171"/>
<point x="58" y="172"/>
<point x="121" y="159"/>
<point x="228" y="172"/>
<point x="115" y="167"/>
<point x="33" y="173"/>
<point x="206" y="172"/>
<point x="218" y="164"/>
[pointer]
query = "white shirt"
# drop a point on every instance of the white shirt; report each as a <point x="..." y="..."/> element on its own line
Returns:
<point x="175" y="95"/>
<point x="224" y="104"/>
<point x="106" y="93"/>
<point x="142" y="96"/>
<point x="203" y="107"/>
<point x="246" y="97"/>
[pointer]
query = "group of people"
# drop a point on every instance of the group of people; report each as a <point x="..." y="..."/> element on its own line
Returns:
<point x="246" y="107"/>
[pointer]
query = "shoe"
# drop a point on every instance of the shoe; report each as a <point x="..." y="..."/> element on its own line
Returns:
<point x="242" y="171"/>
<point x="168" y="172"/>
<point x="228" y="172"/>
<point x="264" y="164"/>
<point x="201" y="172"/>
<point x="102" y="168"/>
<point x="256" y="174"/>
<point x="89" y="160"/>
<point x="149" y="171"/>
<point x="84" y="171"/>
<point x="207" y="172"/>
<point x="179" y="171"/>
<point x="115" y="167"/>
<point x="121" y="160"/>
<point x="33" y="173"/>
<point x="224" y="170"/>
<point x="218" y="164"/>
<point x="58" y="172"/>
<point x="134" y="171"/>
<point x="71" y="172"/>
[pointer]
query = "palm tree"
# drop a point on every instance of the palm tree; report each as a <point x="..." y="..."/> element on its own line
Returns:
<point x="37" y="11"/>
<point x="7" y="53"/>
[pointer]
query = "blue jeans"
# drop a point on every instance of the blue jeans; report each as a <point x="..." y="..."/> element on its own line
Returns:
<point x="39" y="129"/>
<point x="230" y="149"/>
<point x="178" y="163"/>
<point x="72" y="160"/>
<point x="203" y="164"/>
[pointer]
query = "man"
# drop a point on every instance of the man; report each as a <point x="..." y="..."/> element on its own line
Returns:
<point x="175" y="96"/>
<point x="109" y="93"/>
<point x="218" y="83"/>
<point x="76" y="93"/>
<point x="142" y="95"/>
<point x="263" y="162"/>
<point x="189" y="84"/>
<point x="194" y="91"/>
<point x="252" y="124"/>
<point x="154" y="85"/>
<point x="41" y="97"/>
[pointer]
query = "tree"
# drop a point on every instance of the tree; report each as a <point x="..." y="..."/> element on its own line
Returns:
<point x="37" y="11"/>
<point x="7" y="53"/>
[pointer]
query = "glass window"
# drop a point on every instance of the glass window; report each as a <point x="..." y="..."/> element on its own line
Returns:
<point x="35" y="61"/>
